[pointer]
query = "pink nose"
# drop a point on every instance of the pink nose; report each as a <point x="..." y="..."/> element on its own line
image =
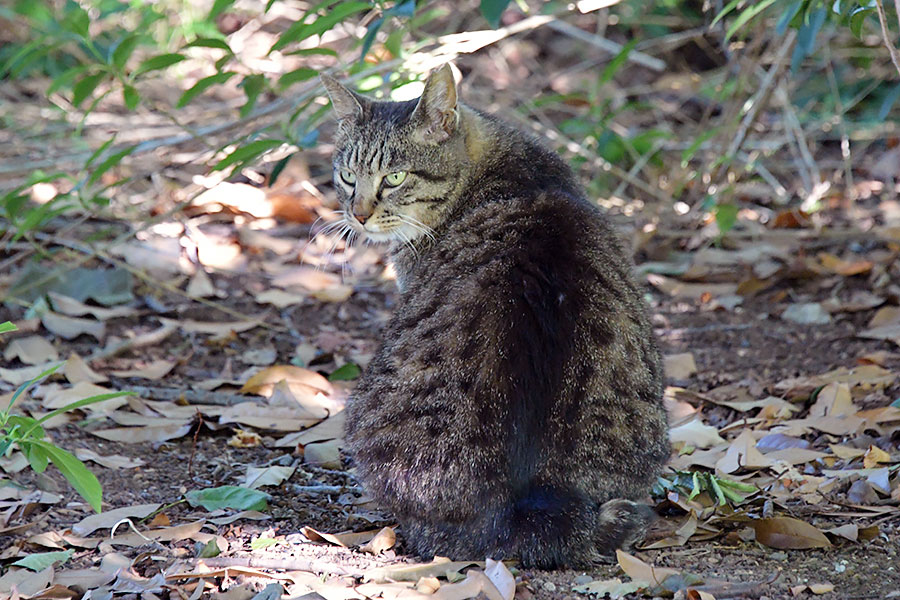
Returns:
<point x="361" y="218"/>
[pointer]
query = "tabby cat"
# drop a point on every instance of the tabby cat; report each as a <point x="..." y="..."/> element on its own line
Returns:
<point x="514" y="408"/>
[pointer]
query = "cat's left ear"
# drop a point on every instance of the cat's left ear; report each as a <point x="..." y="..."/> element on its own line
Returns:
<point x="436" y="115"/>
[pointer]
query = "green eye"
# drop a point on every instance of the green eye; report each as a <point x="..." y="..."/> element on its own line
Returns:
<point x="348" y="176"/>
<point x="395" y="179"/>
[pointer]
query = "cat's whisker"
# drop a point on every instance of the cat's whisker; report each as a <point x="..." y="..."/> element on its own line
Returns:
<point x="419" y="225"/>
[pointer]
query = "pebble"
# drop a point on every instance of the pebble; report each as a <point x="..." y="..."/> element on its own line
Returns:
<point x="583" y="579"/>
<point x="549" y="586"/>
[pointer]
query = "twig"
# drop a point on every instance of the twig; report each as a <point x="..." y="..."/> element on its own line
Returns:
<point x="765" y="87"/>
<point x="283" y="564"/>
<point x="749" y="589"/>
<point x="608" y="45"/>
<point x="324" y="489"/>
<point x="885" y="32"/>
<point x="189" y="396"/>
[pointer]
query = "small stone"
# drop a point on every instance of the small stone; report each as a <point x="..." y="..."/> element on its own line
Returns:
<point x="549" y="586"/>
<point x="810" y="313"/>
<point x="583" y="579"/>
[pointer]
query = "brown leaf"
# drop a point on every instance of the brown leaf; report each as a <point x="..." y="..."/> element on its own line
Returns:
<point x="742" y="453"/>
<point x="874" y="456"/>
<point x="679" y="366"/>
<point x="71" y="327"/>
<point x="136" y="435"/>
<point x="152" y="370"/>
<point x="788" y="533"/>
<point x="383" y="540"/>
<point x="847" y="268"/>
<point x="641" y="571"/>
<point x="108" y="518"/>
<point x="347" y="539"/>
<point x="833" y="400"/>
<point x="76" y="371"/>
<point x="31" y="350"/>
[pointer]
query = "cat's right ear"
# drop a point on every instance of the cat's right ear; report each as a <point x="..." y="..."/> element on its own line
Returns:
<point x="346" y="104"/>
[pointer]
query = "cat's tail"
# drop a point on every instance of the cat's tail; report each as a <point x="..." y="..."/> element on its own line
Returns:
<point x="551" y="528"/>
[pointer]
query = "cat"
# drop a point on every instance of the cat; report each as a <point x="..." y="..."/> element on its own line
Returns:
<point x="514" y="408"/>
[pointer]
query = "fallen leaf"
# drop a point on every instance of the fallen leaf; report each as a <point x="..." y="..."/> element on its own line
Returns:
<point x="200" y="286"/>
<point x="71" y="327"/>
<point x="847" y="268"/>
<point x="691" y="291"/>
<point x="875" y="455"/>
<point x="641" y="571"/>
<point x="846" y="452"/>
<point x="475" y="585"/>
<point x="258" y="477"/>
<point x="214" y="327"/>
<point x="742" y="453"/>
<point x="17" y="377"/>
<point x="136" y="435"/>
<point x="330" y="429"/>
<point x="279" y="298"/>
<point x="228" y="496"/>
<point x="59" y="397"/>
<point x="326" y="455"/>
<point x="346" y="539"/>
<point x="263" y="382"/>
<point x="680" y="536"/>
<point x="113" y="461"/>
<point x="696" y="433"/>
<point x="788" y="533"/>
<point x="810" y="313"/>
<point x="502" y="579"/>
<point x="244" y="439"/>
<point x="73" y="308"/>
<point x="107" y="519"/>
<point x="385" y="540"/>
<point x="25" y="582"/>
<point x="833" y="400"/>
<point x="438" y="567"/>
<point x="31" y="350"/>
<point x="153" y="370"/>
<point x="77" y="371"/>
<point x="679" y="366"/>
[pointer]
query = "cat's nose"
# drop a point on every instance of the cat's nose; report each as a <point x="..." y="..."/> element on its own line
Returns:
<point x="362" y="218"/>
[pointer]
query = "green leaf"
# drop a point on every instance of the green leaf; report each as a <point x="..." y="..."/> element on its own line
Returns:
<point x="493" y="10"/>
<point x="210" y="550"/>
<point x="37" y="458"/>
<point x="346" y="372"/>
<point x="311" y="51"/>
<point x="21" y="389"/>
<point x="369" y="38"/>
<point x="156" y="63"/>
<point x="253" y="86"/>
<point x="84" y="482"/>
<point x="858" y="16"/>
<point x="788" y="16"/>
<point x="78" y="404"/>
<point x="300" y="31"/>
<point x="228" y="496"/>
<point x="109" y="163"/>
<point x="806" y="37"/>
<point x="726" y="217"/>
<point x="99" y="151"/>
<point x="42" y="560"/>
<point x="248" y="152"/>
<point x="617" y="62"/>
<point x="747" y="15"/>
<point x="7" y="326"/>
<point x="85" y="87"/>
<point x="76" y="20"/>
<point x="296" y="76"/>
<point x="65" y="78"/>
<point x="728" y="8"/>
<point x="219" y="6"/>
<point x="210" y="43"/>
<point x="278" y="168"/>
<point x="124" y="50"/>
<point x="888" y="103"/>
<point x="205" y="83"/>
<point x="130" y="96"/>
<point x="261" y="543"/>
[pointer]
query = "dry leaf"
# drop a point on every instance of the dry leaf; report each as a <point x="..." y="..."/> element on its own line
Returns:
<point x="17" y="377"/>
<point x="263" y="382"/>
<point x="383" y="540"/>
<point x="833" y="400"/>
<point x="330" y="429"/>
<point x="326" y="455"/>
<point x="279" y="298"/>
<point x="214" y="327"/>
<point x="258" y="477"/>
<point x="153" y="370"/>
<point x="475" y="585"/>
<point x="438" y="567"/>
<point x="641" y="571"/>
<point x="787" y="533"/>
<point x="742" y="453"/>
<point x="244" y="439"/>
<point x="500" y="576"/>
<point x="201" y="286"/>
<point x="875" y="455"/>
<point x="347" y="539"/>
<point x="696" y="433"/>
<point x="614" y="588"/>
<point x="846" y="452"/>
<point x="136" y="435"/>
<point x="113" y="461"/>
<point x="59" y="397"/>
<point x="810" y="313"/>
<point x="73" y="308"/>
<point x="843" y="267"/>
<point x="71" y="327"/>
<point x="108" y="518"/>
<point x="31" y="350"/>
<point x="679" y="366"/>
<point x="76" y="371"/>
<point x="692" y="291"/>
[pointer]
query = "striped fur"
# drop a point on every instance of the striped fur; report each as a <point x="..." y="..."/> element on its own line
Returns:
<point x="514" y="408"/>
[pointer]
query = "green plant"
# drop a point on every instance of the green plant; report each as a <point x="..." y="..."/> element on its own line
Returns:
<point x="27" y="435"/>
<point x="694" y="483"/>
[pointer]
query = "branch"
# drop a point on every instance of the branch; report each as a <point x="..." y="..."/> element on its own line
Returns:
<point x="886" y="34"/>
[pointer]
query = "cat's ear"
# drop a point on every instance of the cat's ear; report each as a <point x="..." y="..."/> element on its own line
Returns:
<point x="347" y="104"/>
<point x="436" y="115"/>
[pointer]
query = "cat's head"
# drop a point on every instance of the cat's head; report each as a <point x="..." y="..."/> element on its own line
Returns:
<point x="397" y="165"/>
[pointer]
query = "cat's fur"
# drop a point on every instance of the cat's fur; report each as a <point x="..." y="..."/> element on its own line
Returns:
<point x="514" y="408"/>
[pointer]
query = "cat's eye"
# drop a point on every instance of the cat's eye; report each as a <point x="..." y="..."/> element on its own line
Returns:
<point x="348" y="176"/>
<point x="395" y="179"/>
